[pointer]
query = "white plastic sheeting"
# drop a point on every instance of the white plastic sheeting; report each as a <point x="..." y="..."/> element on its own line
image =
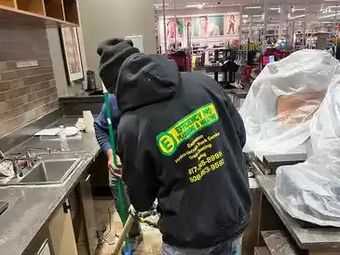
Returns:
<point x="282" y="100"/>
<point x="310" y="191"/>
<point x="292" y="100"/>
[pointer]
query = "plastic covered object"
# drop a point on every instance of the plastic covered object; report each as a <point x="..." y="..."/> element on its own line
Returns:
<point x="282" y="100"/>
<point x="310" y="191"/>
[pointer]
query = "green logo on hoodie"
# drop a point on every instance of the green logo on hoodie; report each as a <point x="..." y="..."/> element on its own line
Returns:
<point x="168" y="141"/>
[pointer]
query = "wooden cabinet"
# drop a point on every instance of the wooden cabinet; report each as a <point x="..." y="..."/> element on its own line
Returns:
<point x="51" y="13"/>
<point x="40" y="245"/>
<point x="61" y="232"/>
<point x="83" y="216"/>
<point x="86" y="198"/>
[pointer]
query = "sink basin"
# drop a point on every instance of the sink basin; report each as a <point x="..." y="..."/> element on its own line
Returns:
<point x="53" y="168"/>
<point x="49" y="171"/>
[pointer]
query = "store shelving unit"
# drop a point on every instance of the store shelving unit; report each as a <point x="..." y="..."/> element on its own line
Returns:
<point x="71" y="11"/>
<point x="46" y="13"/>
<point x="32" y="6"/>
<point x="55" y="9"/>
<point x="8" y="3"/>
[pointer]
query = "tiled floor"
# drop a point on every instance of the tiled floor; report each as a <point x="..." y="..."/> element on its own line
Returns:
<point x="152" y="240"/>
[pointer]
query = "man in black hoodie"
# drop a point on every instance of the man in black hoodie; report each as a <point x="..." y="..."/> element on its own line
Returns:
<point x="180" y="140"/>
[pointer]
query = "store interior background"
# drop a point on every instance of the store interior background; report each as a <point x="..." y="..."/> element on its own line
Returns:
<point x="259" y="25"/>
<point x="263" y="31"/>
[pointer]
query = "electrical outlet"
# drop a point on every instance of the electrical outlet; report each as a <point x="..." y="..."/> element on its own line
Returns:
<point x="27" y="63"/>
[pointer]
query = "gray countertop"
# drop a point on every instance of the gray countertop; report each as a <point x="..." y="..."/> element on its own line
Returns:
<point x="306" y="238"/>
<point x="82" y="97"/>
<point x="30" y="206"/>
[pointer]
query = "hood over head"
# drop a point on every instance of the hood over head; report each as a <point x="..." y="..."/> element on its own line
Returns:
<point x="113" y="53"/>
<point x="145" y="79"/>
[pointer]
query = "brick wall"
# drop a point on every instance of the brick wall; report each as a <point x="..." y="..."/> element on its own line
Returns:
<point x="25" y="93"/>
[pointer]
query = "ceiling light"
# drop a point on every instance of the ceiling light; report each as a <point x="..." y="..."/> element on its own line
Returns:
<point x="332" y="0"/>
<point x="329" y="16"/>
<point x="253" y="7"/>
<point x="298" y="9"/>
<point x="278" y="9"/>
<point x="296" y="17"/>
<point x="211" y="6"/>
<point x="329" y="8"/>
<point x="160" y="5"/>
<point x="198" y="6"/>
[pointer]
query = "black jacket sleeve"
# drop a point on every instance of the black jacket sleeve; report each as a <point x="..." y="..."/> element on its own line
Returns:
<point x="139" y="172"/>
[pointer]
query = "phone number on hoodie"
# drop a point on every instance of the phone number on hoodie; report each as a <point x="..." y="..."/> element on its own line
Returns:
<point x="208" y="160"/>
<point x="213" y="165"/>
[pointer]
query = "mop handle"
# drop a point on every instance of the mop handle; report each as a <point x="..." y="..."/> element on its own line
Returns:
<point x="118" y="181"/>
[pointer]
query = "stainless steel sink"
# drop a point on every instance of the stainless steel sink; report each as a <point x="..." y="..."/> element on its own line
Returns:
<point x="49" y="171"/>
<point x="53" y="168"/>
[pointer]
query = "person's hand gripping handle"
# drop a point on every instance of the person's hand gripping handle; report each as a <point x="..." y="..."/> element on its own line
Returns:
<point x="115" y="169"/>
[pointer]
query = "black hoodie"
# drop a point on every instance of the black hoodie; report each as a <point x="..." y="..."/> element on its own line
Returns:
<point x="180" y="140"/>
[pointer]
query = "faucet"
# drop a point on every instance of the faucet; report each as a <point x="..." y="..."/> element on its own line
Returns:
<point x="31" y="158"/>
<point x="16" y="157"/>
<point x="16" y="167"/>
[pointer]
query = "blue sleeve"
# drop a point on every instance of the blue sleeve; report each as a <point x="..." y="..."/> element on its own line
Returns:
<point x="101" y="126"/>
